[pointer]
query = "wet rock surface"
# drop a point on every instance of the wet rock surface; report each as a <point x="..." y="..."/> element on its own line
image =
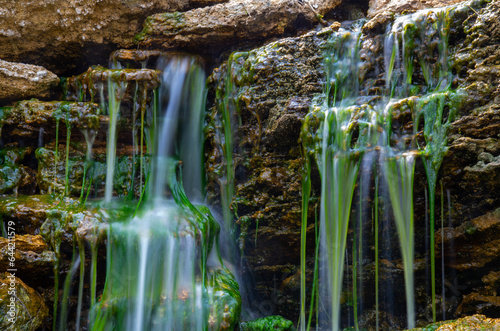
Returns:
<point x="68" y="36"/>
<point x="475" y="322"/>
<point x="270" y="90"/>
<point x="31" y="310"/>
<point x="19" y="81"/>
<point x="33" y="258"/>
<point x="210" y="29"/>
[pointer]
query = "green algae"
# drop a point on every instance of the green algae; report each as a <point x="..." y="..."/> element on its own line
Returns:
<point x="273" y="322"/>
<point x="172" y="22"/>
<point x="11" y="170"/>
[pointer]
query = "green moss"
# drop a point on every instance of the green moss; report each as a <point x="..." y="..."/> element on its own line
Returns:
<point x="269" y="323"/>
<point x="11" y="170"/>
<point x="164" y="23"/>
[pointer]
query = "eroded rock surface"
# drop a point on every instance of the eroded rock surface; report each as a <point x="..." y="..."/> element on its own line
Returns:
<point x="209" y="29"/>
<point x="270" y="89"/>
<point x="68" y="36"/>
<point x="20" y="81"/>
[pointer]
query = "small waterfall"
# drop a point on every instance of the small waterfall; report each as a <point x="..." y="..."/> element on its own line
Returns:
<point x="346" y="128"/>
<point x="164" y="270"/>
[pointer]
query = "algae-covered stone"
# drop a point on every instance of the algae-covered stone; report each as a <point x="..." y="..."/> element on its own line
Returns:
<point x="469" y="323"/>
<point x="88" y="177"/>
<point x="277" y="323"/>
<point x="37" y="119"/>
<point x="14" y="175"/>
<point x="21" y="307"/>
<point x="20" y="81"/>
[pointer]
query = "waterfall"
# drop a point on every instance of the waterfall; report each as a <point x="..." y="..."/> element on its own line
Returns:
<point x="343" y="131"/>
<point x="164" y="270"/>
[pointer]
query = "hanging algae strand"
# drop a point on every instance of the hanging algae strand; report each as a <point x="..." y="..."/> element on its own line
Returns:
<point x="327" y="136"/>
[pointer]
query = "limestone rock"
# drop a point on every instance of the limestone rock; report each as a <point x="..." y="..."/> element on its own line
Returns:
<point x="32" y="256"/>
<point x="474" y="322"/>
<point x="378" y="7"/>
<point x="20" y="81"/>
<point x="68" y="36"/>
<point x="209" y="29"/>
<point x="29" y="307"/>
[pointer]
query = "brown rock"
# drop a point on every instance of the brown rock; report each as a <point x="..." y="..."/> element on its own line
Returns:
<point x="210" y="29"/>
<point x="29" y="308"/>
<point x="68" y="36"/>
<point x="476" y="243"/>
<point x="404" y="6"/>
<point x="32" y="257"/>
<point x="20" y="81"/>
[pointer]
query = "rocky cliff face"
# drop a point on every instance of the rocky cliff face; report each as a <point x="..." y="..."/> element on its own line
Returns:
<point x="267" y="92"/>
<point x="270" y="90"/>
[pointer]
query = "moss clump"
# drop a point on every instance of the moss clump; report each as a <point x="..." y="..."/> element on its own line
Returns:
<point x="268" y="323"/>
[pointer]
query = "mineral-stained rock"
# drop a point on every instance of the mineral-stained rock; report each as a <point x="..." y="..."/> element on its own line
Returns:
<point x="28" y="309"/>
<point x="20" y="81"/>
<point x="469" y="323"/>
<point x="476" y="242"/>
<point x="209" y="29"/>
<point x="31" y="255"/>
<point x="28" y="212"/>
<point x="68" y="36"/>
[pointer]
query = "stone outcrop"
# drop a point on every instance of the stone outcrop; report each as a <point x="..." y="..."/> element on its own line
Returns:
<point x="68" y="36"/>
<point x="210" y="29"/>
<point x="383" y="7"/>
<point x="20" y="81"/>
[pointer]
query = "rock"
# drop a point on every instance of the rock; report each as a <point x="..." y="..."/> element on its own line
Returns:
<point x="210" y="29"/>
<point x="29" y="309"/>
<point x="19" y="81"/>
<point x="32" y="256"/>
<point x="134" y="58"/>
<point x="68" y="36"/>
<point x="271" y="91"/>
<point x="475" y="322"/>
<point x="378" y="7"/>
<point x="15" y="176"/>
<point x="476" y="243"/>
<point x="271" y="88"/>
<point x="28" y="212"/>
<point x="204" y="3"/>
<point x="36" y="120"/>
<point x="51" y="177"/>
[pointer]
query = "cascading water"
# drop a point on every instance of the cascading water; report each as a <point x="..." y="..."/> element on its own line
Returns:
<point x="164" y="270"/>
<point x="346" y="128"/>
